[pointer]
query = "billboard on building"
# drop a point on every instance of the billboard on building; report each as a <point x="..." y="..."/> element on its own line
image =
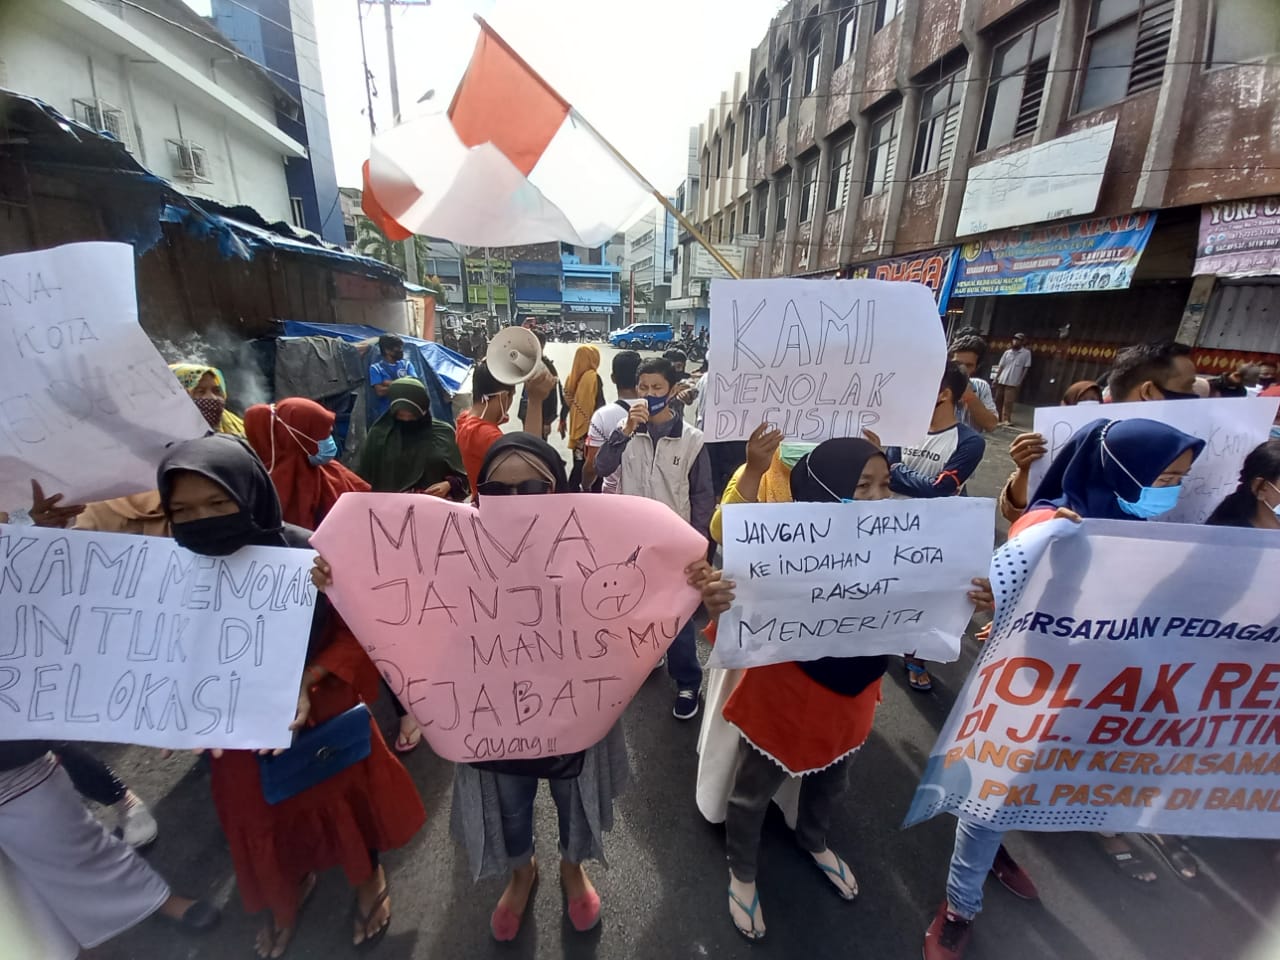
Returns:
<point x="934" y="268"/>
<point x="1052" y="180"/>
<point x="1066" y="258"/>
<point x="1240" y="238"/>
<point x="705" y="266"/>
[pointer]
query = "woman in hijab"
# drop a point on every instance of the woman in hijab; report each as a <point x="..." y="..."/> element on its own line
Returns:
<point x="493" y="813"/>
<point x="1082" y="391"/>
<point x="208" y="390"/>
<point x="219" y="499"/>
<point x="798" y="724"/>
<point x="1255" y="502"/>
<point x="407" y="451"/>
<point x="584" y="395"/>
<point x="294" y="439"/>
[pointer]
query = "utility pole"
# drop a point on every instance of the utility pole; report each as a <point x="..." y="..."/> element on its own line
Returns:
<point x="488" y="286"/>
<point x="631" y="289"/>
<point x="368" y="77"/>
<point x="411" y="244"/>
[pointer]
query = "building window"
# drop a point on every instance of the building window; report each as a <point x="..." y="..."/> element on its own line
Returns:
<point x="1019" y="69"/>
<point x="784" y="86"/>
<point x="886" y="10"/>
<point x="744" y="108"/>
<point x="730" y="134"/>
<point x="846" y="33"/>
<point x="1127" y="47"/>
<point x="880" y="154"/>
<point x="746" y="215"/>
<point x="762" y="209"/>
<point x="762" y="107"/>
<point x="838" y="184"/>
<point x="812" y="59"/>
<point x="715" y="151"/>
<point x="1243" y="30"/>
<point x="733" y="225"/>
<point x="939" y="121"/>
<point x="808" y="189"/>
<point x="295" y="211"/>
<point x="784" y="201"/>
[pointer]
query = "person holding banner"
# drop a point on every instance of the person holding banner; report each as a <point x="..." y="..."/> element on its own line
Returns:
<point x="1255" y="502"/>
<point x="294" y="439"/>
<point x="208" y="391"/>
<point x="219" y="498"/>
<point x="492" y="815"/>
<point x="1111" y="469"/>
<point x="798" y="724"/>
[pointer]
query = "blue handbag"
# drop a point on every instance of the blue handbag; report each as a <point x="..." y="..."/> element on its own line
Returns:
<point x="317" y="754"/>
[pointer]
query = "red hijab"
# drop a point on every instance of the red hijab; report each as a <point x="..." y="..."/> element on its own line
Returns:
<point x="284" y="435"/>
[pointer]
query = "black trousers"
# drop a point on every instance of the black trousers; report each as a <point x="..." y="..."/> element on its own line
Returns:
<point x="90" y="776"/>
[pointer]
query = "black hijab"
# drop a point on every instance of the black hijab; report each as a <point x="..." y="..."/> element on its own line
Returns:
<point x="529" y="445"/>
<point x="230" y="462"/>
<point x="830" y="474"/>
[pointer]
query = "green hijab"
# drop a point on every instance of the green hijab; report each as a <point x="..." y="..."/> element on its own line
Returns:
<point x="403" y="455"/>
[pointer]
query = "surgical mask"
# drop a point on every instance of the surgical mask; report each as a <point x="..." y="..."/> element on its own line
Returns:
<point x="1085" y="403"/>
<point x="211" y="409"/>
<point x="216" y="536"/>
<point x="328" y="451"/>
<point x="656" y="404"/>
<point x="1275" y="432"/>
<point x="1152" y="501"/>
<point x="790" y="453"/>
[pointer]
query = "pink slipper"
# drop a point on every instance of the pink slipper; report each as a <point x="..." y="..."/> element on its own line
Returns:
<point x="584" y="911"/>
<point x="504" y="924"/>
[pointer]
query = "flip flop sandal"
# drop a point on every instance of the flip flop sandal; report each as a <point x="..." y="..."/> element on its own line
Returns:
<point x="841" y="872"/>
<point x="1175" y="854"/>
<point x="1126" y="859"/>
<point x="310" y="882"/>
<point x="914" y="672"/>
<point x="753" y="934"/>
<point x="370" y="939"/>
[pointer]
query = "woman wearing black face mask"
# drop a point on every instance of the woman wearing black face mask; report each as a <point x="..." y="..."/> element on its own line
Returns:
<point x="219" y="498"/>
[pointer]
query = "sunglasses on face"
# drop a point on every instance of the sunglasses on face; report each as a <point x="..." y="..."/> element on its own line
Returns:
<point x="494" y="488"/>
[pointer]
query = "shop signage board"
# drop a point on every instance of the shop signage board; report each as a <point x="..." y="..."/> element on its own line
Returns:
<point x="705" y="266"/>
<point x="1239" y="238"/>
<point x="934" y="268"/>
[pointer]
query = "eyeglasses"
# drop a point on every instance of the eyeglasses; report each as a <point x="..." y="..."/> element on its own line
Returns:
<point x="494" y="488"/>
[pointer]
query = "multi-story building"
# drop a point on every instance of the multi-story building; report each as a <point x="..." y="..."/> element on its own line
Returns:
<point x="649" y="260"/>
<point x="280" y="36"/>
<point x="167" y="84"/>
<point x="592" y="295"/>
<point x="1058" y="149"/>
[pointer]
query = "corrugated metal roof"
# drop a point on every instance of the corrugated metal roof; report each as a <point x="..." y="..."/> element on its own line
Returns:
<point x="1243" y="315"/>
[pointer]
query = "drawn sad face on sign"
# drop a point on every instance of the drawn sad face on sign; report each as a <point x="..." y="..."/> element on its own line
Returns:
<point x="614" y="589"/>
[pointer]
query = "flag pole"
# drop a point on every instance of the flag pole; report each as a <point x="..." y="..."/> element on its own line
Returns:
<point x="657" y="194"/>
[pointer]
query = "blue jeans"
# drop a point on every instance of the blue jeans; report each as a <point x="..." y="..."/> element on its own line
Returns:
<point x="682" y="659"/>
<point x="516" y="796"/>
<point x="971" y="860"/>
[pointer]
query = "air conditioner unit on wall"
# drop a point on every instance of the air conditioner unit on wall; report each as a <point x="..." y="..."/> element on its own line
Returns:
<point x="191" y="162"/>
<point x="102" y="116"/>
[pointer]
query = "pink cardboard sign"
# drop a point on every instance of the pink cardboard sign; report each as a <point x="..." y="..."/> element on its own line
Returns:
<point x="519" y="630"/>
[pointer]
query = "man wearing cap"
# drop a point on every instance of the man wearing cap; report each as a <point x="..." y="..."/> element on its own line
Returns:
<point x="1010" y="372"/>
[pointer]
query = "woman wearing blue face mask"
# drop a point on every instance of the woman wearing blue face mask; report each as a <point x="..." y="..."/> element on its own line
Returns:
<point x="294" y="440"/>
<point x="1255" y="502"/>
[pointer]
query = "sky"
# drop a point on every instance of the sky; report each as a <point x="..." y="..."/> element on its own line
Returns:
<point x="641" y="71"/>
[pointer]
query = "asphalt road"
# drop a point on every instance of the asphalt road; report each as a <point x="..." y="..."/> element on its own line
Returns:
<point x="664" y="887"/>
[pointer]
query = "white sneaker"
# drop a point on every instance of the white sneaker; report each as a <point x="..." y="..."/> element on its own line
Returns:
<point x="135" y="824"/>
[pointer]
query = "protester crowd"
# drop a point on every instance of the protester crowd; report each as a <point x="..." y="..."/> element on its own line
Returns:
<point x="785" y="733"/>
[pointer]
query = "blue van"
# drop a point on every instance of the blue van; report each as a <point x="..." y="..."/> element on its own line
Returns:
<point x="642" y="336"/>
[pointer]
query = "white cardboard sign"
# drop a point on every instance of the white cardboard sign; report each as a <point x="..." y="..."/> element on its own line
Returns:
<point x="126" y="639"/>
<point x="1230" y="427"/>
<point x="823" y="358"/>
<point x="87" y="405"/>
<point x="851" y="579"/>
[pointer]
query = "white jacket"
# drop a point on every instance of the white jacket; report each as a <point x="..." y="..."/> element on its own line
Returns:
<point x="665" y="476"/>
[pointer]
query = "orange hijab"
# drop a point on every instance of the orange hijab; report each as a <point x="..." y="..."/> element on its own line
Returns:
<point x="284" y="435"/>
<point x="581" y="390"/>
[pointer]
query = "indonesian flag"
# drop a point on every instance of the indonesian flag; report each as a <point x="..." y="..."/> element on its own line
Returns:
<point x="510" y="163"/>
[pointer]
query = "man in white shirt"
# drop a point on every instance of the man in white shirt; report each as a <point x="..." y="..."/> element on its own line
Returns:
<point x="977" y="408"/>
<point x="609" y="418"/>
<point x="1009" y="374"/>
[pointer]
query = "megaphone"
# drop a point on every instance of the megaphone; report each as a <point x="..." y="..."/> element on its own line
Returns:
<point x="514" y="356"/>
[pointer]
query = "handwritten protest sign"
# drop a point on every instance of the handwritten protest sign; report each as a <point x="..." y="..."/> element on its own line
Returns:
<point x="519" y="630"/>
<point x="823" y="358"/>
<point x="851" y="579"/>
<point x="1130" y="683"/>
<point x="87" y="405"/>
<point x="1230" y="427"/>
<point x="127" y="639"/>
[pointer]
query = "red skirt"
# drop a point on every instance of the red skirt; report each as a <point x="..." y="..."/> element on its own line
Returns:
<point x="370" y="806"/>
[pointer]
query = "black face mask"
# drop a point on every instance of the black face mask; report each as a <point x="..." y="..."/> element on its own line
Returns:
<point x="216" y="536"/>
<point x="1176" y="395"/>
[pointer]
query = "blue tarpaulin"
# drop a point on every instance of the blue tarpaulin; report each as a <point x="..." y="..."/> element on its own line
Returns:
<point x="452" y="368"/>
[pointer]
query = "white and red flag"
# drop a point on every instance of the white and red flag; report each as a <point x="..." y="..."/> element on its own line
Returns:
<point x="511" y="162"/>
